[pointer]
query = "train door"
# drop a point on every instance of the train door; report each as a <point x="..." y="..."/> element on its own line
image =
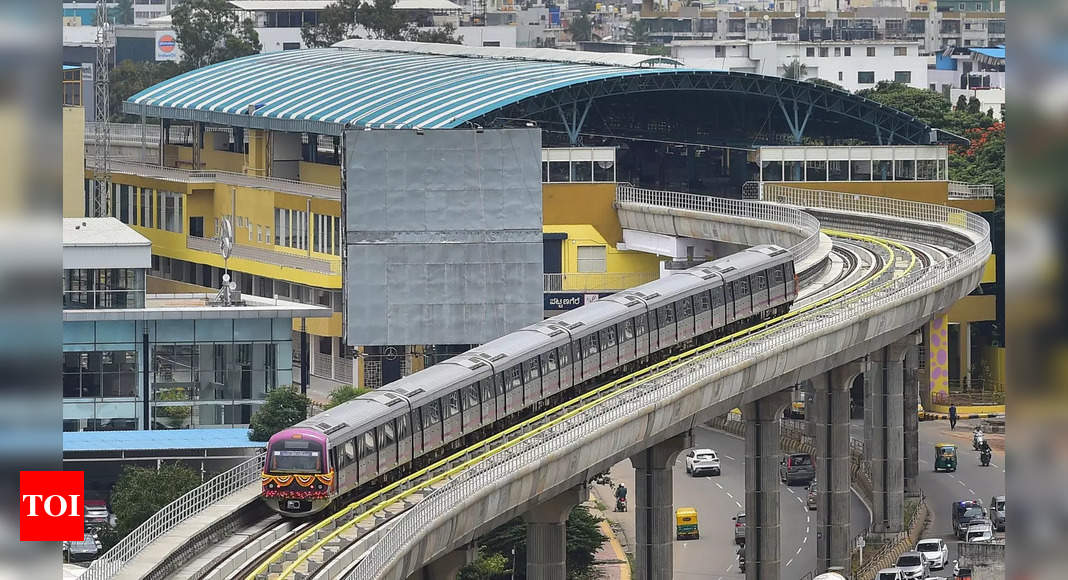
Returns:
<point x="347" y="473"/>
<point x="702" y="312"/>
<point x="743" y="302"/>
<point x="405" y="452"/>
<point x="567" y="366"/>
<point x="387" y="446"/>
<point x="591" y="361"/>
<point x="730" y="314"/>
<point x="368" y="465"/>
<point x="776" y="285"/>
<point x="626" y="341"/>
<point x="514" y="389"/>
<point x="532" y="392"/>
<point x="451" y="421"/>
<point x="641" y="335"/>
<point x="550" y="373"/>
<point x="489" y="405"/>
<point x="718" y="311"/>
<point x="684" y="319"/>
<point x="760" y="291"/>
<point x="668" y="331"/>
<point x="606" y="337"/>
<point x="430" y="414"/>
<point x="470" y="408"/>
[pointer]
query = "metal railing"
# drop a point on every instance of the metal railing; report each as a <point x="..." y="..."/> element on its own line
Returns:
<point x="174" y="513"/>
<point x="283" y="259"/>
<point x="699" y="365"/>
<point x="808" y="227"/>
<point x="278" y="184"/>
<point x="608" y="281"/>
<point x="960" y="190"/>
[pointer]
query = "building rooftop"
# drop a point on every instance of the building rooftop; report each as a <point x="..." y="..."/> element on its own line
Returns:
<point x="105" y="231"/>
<point x="158" y="440"/>
<point x="263" y="5"/>
<point x="426" y="5"/>
<point x="196" y="306"/>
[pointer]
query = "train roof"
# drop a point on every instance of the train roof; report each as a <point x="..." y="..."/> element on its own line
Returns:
<point x="592" y="316"/>
<point x="353" y="417"/>
<point x="433" y="381"/>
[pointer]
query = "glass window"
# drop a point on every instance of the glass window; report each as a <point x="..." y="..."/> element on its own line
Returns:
<point x="837" y="171"/>
<point x="772" y="170"/>
<point x="904" y="169"/>
<point x="628" y="329"/>
<point x="793" y="170"/>
<point x="471" y="397"/>
<point x="592" y="259"/>
<point x="564" y="355"/>
<point x="581" y="171"/>
<point x="823" y="51"/>
<point x="901" y="51"/>
<point x="559" y="171"/>
<point x="485" y="387"/>
<point x="604" y="171"/>
<point x="871" y="51"/>
<point x="810" y="51"/>
<point x="452" y="405"/>
<point x="515" y="378"/>
<point x="860" y="170"/>
<point x="431" y="414"/>
<point x="903" y="76"/>
<point x="848" y="51"/>
<point x="815" y="171"/>
<point x="927" y="169"/>
<point x="883" y="170"/>
<point x="368" y="445"/>
<point x="866" y="77"/>
<point x="761" y="282"/>
<point x="640" y="324"/>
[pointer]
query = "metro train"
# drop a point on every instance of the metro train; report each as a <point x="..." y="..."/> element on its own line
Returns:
<point x="383" y="435"/>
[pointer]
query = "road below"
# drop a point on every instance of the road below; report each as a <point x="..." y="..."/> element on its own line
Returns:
<point x="717" y="499"/>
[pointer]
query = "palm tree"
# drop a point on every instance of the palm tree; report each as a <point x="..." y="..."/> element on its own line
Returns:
<point x="123" y="13"/>
<point x="638" y="31"/>
<point x="795" y="70"/>
<point x="581" y="29"/>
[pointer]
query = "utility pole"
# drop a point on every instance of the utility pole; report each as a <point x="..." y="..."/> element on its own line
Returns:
<point x="101" y="198"/>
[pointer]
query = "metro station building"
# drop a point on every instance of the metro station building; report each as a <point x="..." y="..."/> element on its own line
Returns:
<point x="436" y="196"/>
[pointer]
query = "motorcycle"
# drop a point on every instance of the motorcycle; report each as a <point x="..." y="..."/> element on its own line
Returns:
<point x="741" y="559"/>
<point x="977" y="440"/>
<point x="621" y="504"/>
<point x="984" y="457"/>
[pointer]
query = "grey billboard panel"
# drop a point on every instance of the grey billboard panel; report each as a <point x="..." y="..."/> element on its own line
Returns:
<point x="443" y="235"/>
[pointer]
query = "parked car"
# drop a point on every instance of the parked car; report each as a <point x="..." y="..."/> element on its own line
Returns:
<point x="935" y="551"/>
<point x="699" y="461"/>
<point x="889" y="574"/>
<point x="912" y="565"/>
<point x="980" y="531"/>
<point x="963" y="514"/>
<point x="797" y="468"/>
<point x="739" y="528"/>
<point x="96" y="513"/>
<point x="810" y="503"/>
<point x="997" y="512"/>
<point x="82" y="550"/>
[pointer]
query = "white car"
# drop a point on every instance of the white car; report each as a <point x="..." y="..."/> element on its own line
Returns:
<point x="979" y="532"/>
<point x="935" y="550"/>
<point x="889" y="574"/>
<point x="913" y="566"/>
<point x="702" y="460"/>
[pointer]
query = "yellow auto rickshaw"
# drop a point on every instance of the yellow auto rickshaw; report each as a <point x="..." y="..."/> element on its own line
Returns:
<point x="686" y="523"/>
<point x="945" y="457"/>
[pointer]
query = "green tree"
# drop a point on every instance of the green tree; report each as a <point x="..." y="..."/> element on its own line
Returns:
<point x="580" y="28"/>
<point x="584" y="538"/>
<point x="346" y="18"/>
<point x="139" y="493"/>
<point x="208" y="31"/>
<point x="284" y="407"/>
<point x="795" y="70"/>
<point x="927" y="106"/>
<point x="487" y="566"/>
<point x="824" y="83"/>
<point x="336" y="23"/>
<point x="344" y="394"/>
<point x="962" y="103"/>
<point x="587" y="6"/>
<point x="123" y="13"/>
<point x="974" y="106"/>
<point x="129" y="78"/>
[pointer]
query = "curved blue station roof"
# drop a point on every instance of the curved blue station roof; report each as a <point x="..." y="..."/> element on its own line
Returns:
<point x="389" y="84"/>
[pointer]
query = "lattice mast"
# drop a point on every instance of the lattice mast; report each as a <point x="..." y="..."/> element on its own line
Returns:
<point x="101" y="167"/>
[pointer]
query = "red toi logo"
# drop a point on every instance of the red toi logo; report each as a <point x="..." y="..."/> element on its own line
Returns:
<point x="51" y="506"/>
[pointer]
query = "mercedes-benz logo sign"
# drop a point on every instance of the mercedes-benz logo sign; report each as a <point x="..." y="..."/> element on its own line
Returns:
<point x="391" y="353"/>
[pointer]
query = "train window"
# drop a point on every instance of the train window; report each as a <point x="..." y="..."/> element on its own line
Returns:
<point x="685" y="307"/>
<point x="486" y="386"/>
<point x="717" y="297"/>
<point x="741" y="288"/>
<point x="612" y="335"/>
<point x="349" y="452"/>
<point x="531" y="368"/>
<point x="702" y="302"/>
<point x="640" y="324"/>
<point x="367" y="444"/>
<point x="776" y="274"/>
<point x="565" y="355"/>
<point x="471" y="397"/>
<point x="628" y="329"/>
<point x="515" y="378"/>
<point x="589" y="345"/>
<point x="386" y="435"/>
<point x="431" y="414"/>
<point x="760" y="282"/>
<point x="549" y="360"/>
<point x="666" y="315"/>
<point x="402" y="427"/>
<point x="452" y="405"/>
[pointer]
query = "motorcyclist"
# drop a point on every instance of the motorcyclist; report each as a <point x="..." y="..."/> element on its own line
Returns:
<point x="985" y="451"/>
<point x="621" y="495"/>
<point x="977" y="436"/>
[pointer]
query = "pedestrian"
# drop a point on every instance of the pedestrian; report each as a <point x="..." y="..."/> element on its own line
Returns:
<point x="952" y="416"/>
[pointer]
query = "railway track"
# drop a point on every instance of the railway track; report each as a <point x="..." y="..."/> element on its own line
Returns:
<point x="327" y="545"/>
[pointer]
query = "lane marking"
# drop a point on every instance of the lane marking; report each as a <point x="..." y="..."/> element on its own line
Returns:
<point x="798" y="552"/>
<point x="729" y="495"/>
<point x="807" y="528"/>
<point x="805" y="541"/>
<point x="808" y="519"/>
<point x="717" y="484"/>
<point x="738" y="503"/>
<point x="729" y="568"/>
<point x="961" y="483"/>
<point x="788" y="562"/>
<point x="733" y="459"/>
<point x="790" y="489"/>
<point x="800" y="501"/>
<point x="971" y="491"/>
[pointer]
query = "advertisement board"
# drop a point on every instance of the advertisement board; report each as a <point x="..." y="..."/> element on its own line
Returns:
<point x="167" y="46"/>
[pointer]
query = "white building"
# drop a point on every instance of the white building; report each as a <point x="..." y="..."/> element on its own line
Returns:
<point x="853" y="65"/>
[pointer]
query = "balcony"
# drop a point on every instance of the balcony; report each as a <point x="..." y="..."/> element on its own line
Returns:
<point x="959" y="190"/>
<point x="600" y="282"/>
<point x="213" y="176"/>
<point x="263" y="255"/>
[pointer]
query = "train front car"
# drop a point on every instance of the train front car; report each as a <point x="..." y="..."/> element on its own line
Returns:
<point x="298" y="479"/>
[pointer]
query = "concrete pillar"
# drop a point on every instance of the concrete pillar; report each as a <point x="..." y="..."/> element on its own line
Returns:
<point x="830" y="418"/>
<point x="654" y="511"/>
<point x="547" y="535"/>
<point x="447" y="566"/>
<point x="886" y="453"/>
<point x="911" y="422"/>
<point x="964" y="342"/>
<point x="762" y="458"/>
<point x="258" y="159"/>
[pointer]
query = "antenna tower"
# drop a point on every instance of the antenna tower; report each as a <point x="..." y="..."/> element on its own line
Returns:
<point x="105" y="40"/>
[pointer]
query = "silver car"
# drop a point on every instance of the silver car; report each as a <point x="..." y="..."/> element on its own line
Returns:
<point x="912" y="565"/>
<point x="997" y="512"/>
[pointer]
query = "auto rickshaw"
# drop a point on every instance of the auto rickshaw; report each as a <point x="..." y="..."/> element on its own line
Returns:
<point x="945" y="457"/>
<point x="686" y="523"/>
